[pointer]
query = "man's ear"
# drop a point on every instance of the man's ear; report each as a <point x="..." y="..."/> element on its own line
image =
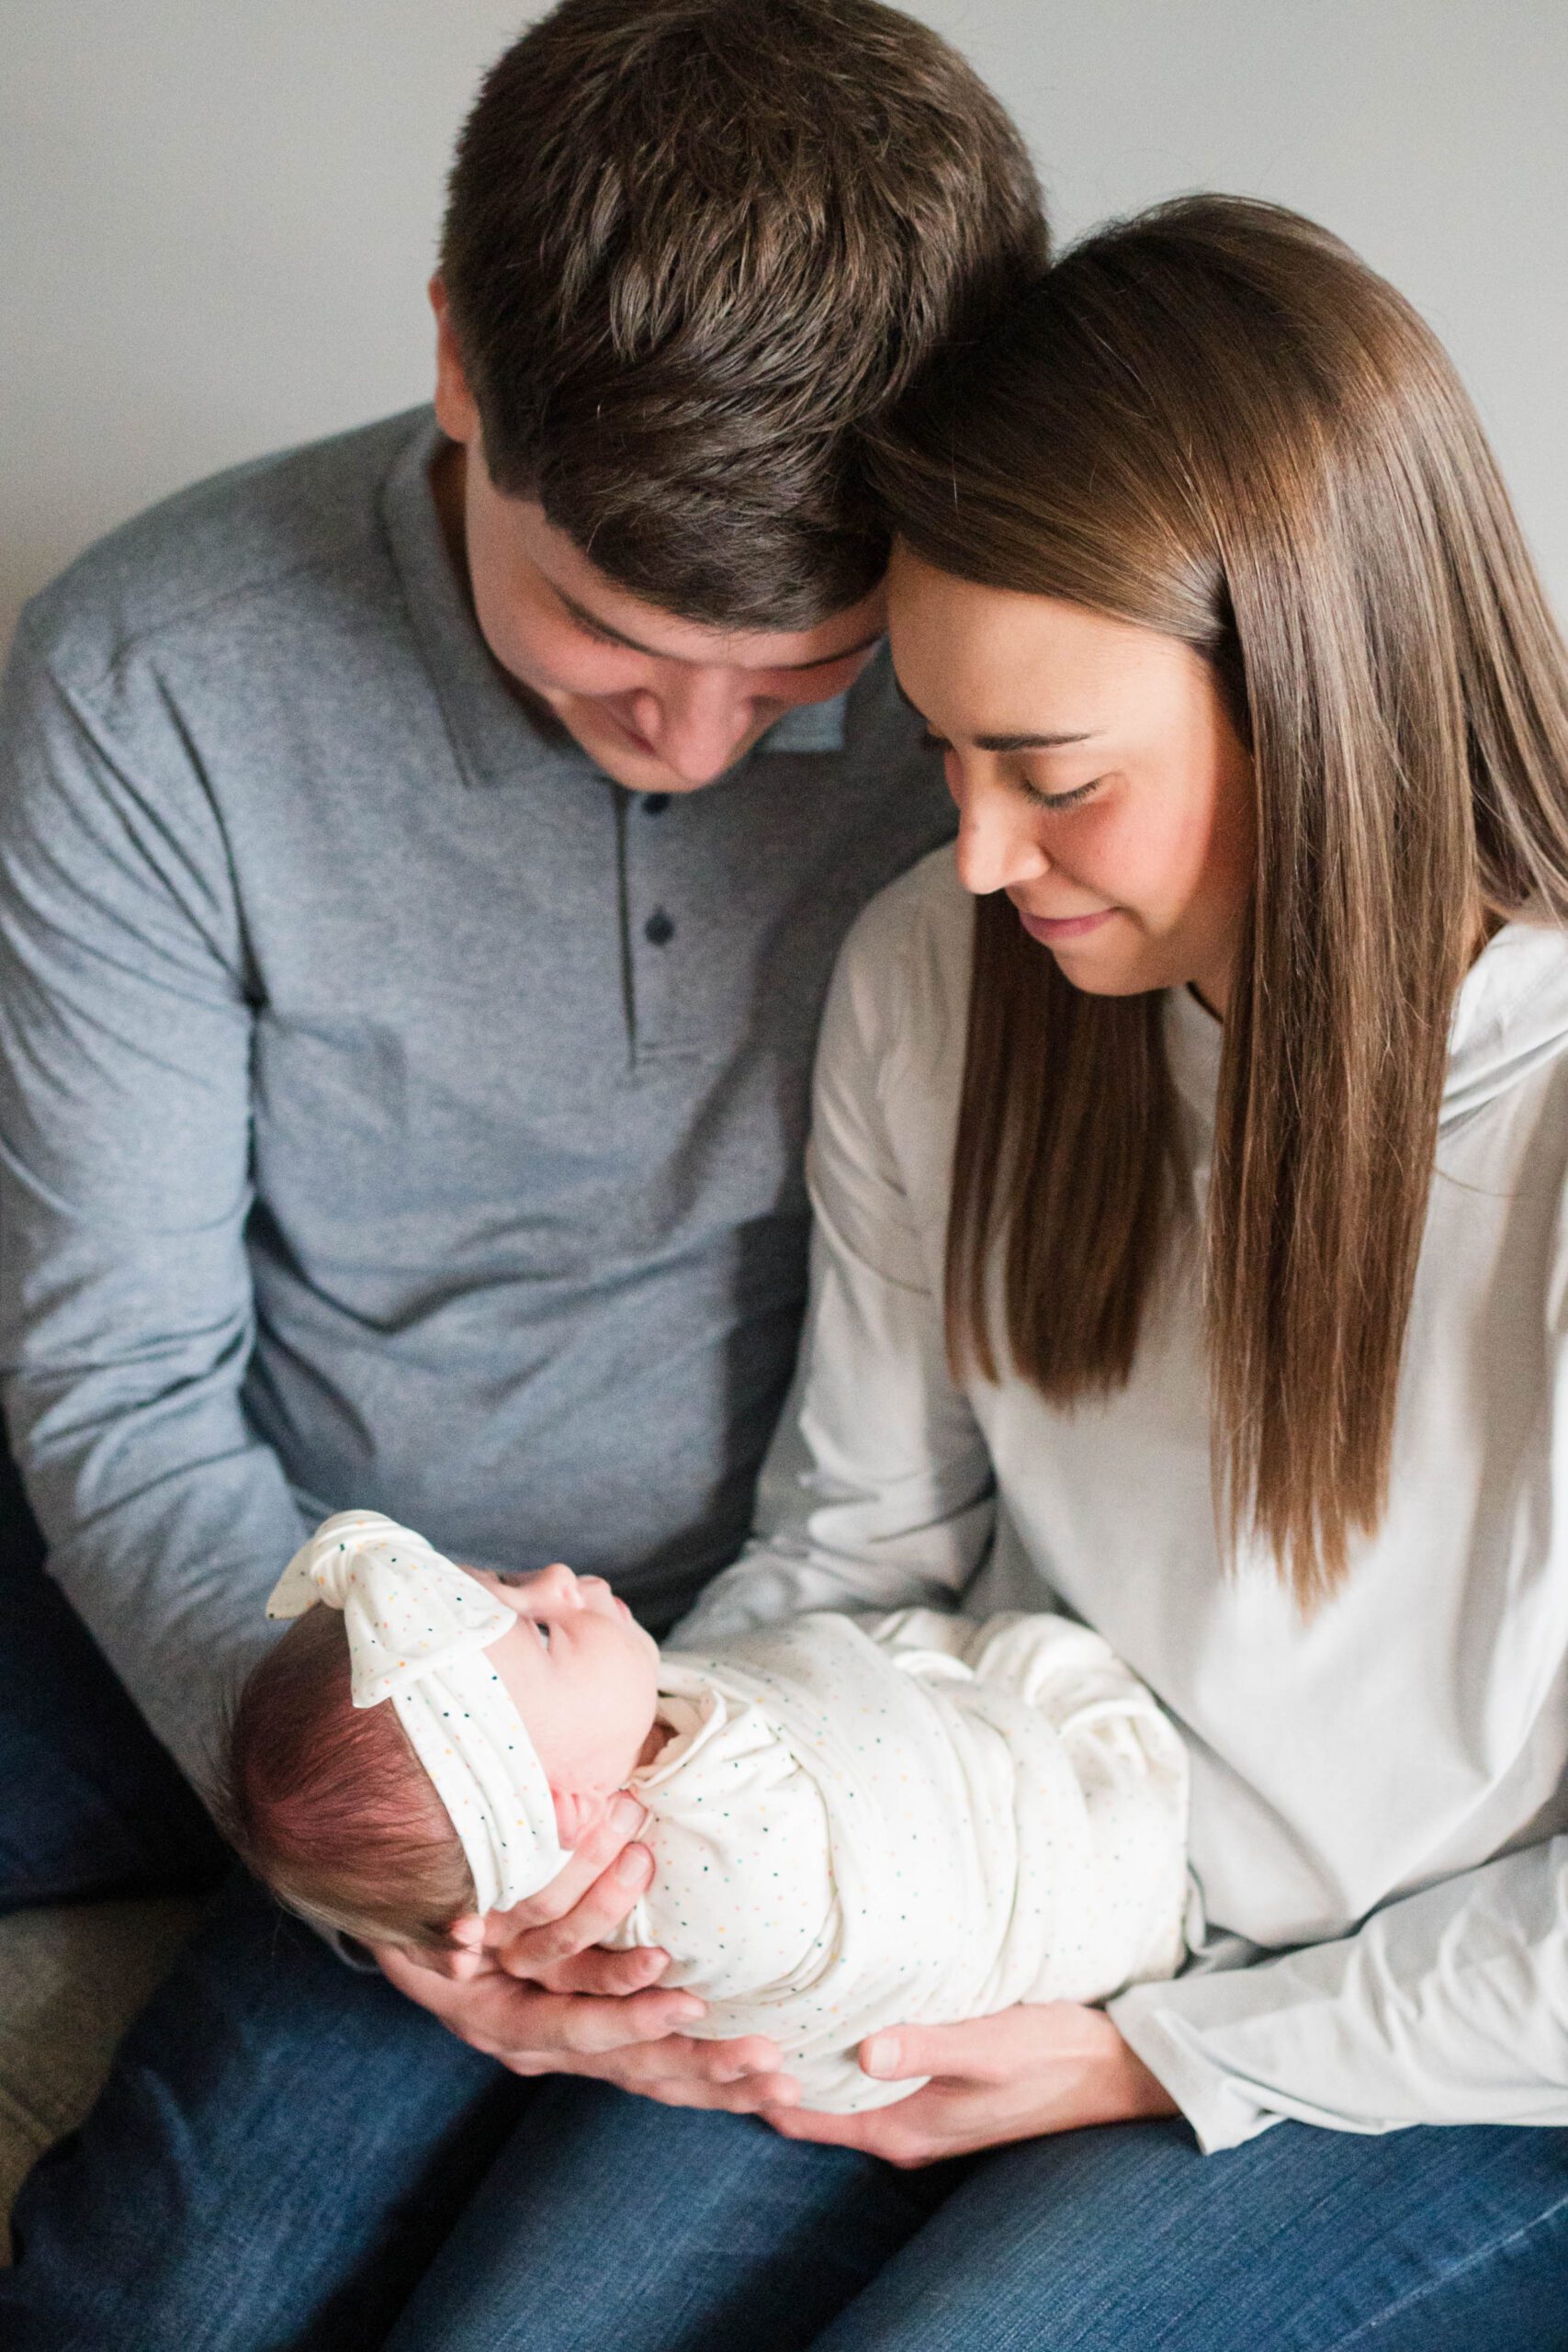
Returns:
<point x="456" y="410"/>
<point x="576" y="1813"/>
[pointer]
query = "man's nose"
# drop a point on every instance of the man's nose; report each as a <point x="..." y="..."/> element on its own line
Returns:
<point x="700" y="717"/>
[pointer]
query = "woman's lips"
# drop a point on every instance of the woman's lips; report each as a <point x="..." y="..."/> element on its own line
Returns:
<point x="1053" y="930"/>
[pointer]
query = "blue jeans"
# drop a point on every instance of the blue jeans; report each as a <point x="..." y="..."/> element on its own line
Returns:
<point x="289" y="2158"/>
<point x="283" y="2145"/>
<point x="90" y="1804"/>
<point x="609" y="2222"/>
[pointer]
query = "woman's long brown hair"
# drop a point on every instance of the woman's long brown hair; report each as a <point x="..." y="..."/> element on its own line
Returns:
<point x="1213" y="421"/>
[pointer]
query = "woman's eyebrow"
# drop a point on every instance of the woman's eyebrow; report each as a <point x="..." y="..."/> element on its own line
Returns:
<point x="1032" y="742"/>
<point x="1006" y="742"/>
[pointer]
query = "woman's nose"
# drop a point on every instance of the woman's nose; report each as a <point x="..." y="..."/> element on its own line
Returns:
<point x="996" y="850"/>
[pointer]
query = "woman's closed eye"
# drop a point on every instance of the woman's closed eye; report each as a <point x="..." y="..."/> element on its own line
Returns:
<point x="543" y="1631"/>
<point x="1058" y="799"/>
<point x="1031" y="792"/>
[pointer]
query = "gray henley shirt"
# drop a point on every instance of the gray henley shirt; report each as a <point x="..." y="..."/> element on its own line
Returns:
<point x="393" y="1110"/>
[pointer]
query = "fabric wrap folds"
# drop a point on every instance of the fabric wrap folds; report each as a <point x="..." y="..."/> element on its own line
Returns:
<point x="418" y="1628"/>
<point x="912" y="1819"/>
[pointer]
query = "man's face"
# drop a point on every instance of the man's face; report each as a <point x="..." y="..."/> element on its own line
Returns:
<point x="662" y="705"/>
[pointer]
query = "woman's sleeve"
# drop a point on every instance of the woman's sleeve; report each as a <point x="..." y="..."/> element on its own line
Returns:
<point x="1447" y="2007"/>
<point x="877" y="1490"/>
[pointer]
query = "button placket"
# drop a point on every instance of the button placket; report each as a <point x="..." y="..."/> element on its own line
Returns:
<point x="655" y="923"/>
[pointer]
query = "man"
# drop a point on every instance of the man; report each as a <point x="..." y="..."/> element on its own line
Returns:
<point x="422" y="857"/>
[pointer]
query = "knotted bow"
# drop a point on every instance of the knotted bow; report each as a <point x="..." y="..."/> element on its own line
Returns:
<point x="418" y="1628"/>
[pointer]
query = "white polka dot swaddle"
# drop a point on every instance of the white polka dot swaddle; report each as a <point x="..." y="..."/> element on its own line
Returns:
<point x="911" y="1819"/>
<point x="418" y="1628"/>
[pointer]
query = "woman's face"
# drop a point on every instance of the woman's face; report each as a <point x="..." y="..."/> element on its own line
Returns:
<point x="1098" y="779"/>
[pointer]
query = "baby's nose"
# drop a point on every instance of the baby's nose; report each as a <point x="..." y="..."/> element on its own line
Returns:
<point x="558" y="1583"/>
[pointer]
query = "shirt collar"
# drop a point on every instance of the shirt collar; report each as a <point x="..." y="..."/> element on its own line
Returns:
<point x="809" y="727"/>
<point x="495" y="736"/>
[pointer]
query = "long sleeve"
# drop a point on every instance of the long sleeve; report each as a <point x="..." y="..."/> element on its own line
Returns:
<point x="126" y="1311"/>
<point x="1419" y="1717"/>
<point x="1447" y="2007"/>
<point x="878" y="1491"/>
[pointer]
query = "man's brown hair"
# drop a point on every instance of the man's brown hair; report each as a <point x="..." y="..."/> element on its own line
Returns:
<point x="1213" y="421"/>
<point x="692" y="248"/>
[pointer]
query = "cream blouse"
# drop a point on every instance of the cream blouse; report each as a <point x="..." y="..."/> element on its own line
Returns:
<point x="1377" y="1795"/>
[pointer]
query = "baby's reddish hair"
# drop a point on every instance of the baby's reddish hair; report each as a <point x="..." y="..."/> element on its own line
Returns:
<point x="329" y="1804"/>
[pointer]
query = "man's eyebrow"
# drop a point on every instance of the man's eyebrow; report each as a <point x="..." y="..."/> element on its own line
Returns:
<point x="604" y="629"/>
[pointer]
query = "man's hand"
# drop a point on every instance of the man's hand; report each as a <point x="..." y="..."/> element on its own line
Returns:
<point x="1012" y="2077"/>
<point x="526" y="1987"/>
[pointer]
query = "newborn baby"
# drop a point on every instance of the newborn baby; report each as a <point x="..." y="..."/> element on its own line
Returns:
<point x="855" y="1823"/>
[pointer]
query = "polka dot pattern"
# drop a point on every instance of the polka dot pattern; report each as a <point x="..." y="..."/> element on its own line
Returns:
<point x="910" y="1819"/>
<point x="418" y="1628"/>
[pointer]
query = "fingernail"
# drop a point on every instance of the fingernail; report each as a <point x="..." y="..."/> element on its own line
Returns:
<point x="689" y="2007"/>
<point x="626" y="1815"/>
<point x="635" y="1867"/>
<point x="880" y="2054"/>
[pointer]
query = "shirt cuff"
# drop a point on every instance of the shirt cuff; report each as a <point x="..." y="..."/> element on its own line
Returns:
<point x="1218" y="2106"/>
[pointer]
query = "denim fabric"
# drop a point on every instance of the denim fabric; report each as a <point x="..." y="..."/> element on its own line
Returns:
<point x="610" y="2222"/>
<point x="286" y="2152"/>
<point x="282" y="2146"/>
<point x="289" y="2155"/>
<point x="90" y="1804"/>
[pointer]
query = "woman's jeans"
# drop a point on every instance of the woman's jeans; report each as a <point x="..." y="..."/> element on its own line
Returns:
<point x="289" y="2157"/>
<point x="607" y="2221"/>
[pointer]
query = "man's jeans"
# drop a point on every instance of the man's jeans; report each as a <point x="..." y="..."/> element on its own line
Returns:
<point x="91" y="1804"/>
<point x="283" y="2143"/>
<point x="289" y="2155"/>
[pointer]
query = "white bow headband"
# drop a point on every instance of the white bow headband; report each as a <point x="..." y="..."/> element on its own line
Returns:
<point x="418" y="1628"/>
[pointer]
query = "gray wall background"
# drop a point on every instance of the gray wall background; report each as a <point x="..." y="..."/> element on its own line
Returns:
<point x="219" y="214"/>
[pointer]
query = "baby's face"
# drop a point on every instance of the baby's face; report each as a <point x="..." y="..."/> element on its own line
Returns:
<point x="583" y="1674"/>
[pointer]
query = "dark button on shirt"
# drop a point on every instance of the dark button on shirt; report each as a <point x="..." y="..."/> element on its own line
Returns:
<point x="659" y="930"/>
<point x="356" y="1146"/>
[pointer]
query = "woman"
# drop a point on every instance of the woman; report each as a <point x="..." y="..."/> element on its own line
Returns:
<point x="1191" y="1255"/>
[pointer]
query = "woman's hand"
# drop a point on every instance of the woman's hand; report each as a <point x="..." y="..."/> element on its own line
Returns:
<point x="1012" y="2077"/>
<point x="526" y="1987"/>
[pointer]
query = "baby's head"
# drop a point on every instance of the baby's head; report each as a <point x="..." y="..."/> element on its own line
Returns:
<point x="383" y="1779"/>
